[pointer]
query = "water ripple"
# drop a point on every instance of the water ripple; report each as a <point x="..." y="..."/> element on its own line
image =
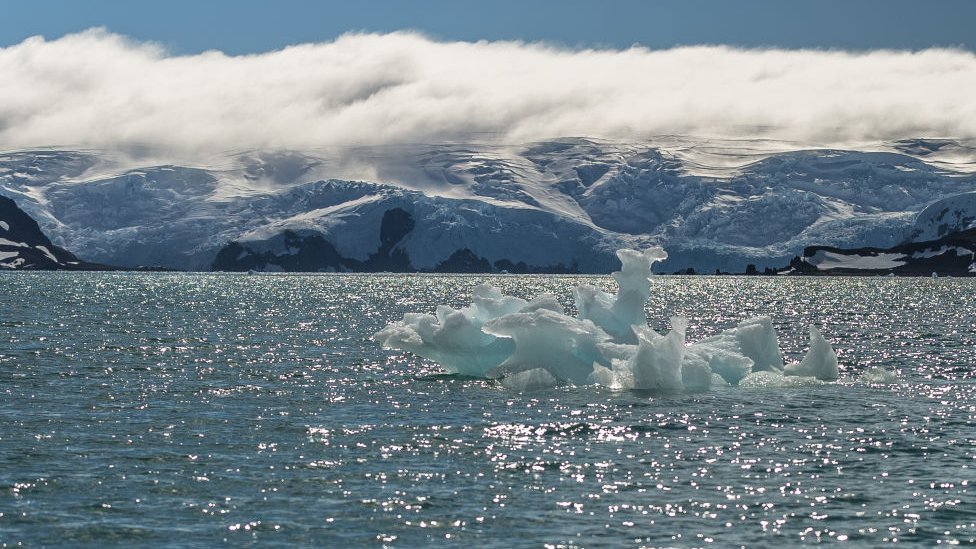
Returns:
<point x="189" y="410"/>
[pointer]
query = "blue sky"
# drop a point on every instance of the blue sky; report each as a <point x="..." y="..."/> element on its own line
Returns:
<point x="249" y="26"/>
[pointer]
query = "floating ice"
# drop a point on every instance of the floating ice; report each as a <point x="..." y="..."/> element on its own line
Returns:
<point x="752" y="346"/>
<point x="655" y="365"/>
<point x="618" y="314"/>
<point x="454" y="338"/>
<point x="878" y="376"/>
<point x="770" y="379"/>
<point x="529" y="380"/>
<point x="820" y="361"/>
<point x="548" y="339"/>
<point x="529" y="345"/>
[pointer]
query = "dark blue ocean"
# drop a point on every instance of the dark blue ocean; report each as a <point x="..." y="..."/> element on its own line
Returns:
<point x="198" y="410"/>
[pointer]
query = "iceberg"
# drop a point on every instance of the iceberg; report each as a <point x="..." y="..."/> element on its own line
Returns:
<point x="656" y="364"/>
<point x="454" y="338"/>
<point x="567" y="347"/>
<point x="528" y="345"/>
<point x="618" y="314"/>
<point x="752" y="346"/>
<point x="820" y="361"/>
<point x="529" y="380"/>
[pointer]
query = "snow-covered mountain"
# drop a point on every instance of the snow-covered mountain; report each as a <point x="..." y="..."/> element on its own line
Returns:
<point x="559" y="205"/>
<point x="24" y="246"/>
<point x="946" y="216"/>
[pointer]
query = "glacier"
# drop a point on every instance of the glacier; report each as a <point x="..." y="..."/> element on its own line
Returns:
<point x="561" y="205"/>
<point x="24" y="247"/>
<point x="534" y="344"/>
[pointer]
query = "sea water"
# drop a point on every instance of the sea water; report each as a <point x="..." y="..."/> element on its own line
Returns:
<point x="190" y="410"/>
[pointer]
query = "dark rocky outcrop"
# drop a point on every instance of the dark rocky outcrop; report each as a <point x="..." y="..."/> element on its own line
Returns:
<point x="463" y="261"/>
<point x="506" y="266"/>
<point x="397" y="223"/>
<point x="311" y="252"/>
<point x="23" y="246"/>
<point x="953" y="255"/>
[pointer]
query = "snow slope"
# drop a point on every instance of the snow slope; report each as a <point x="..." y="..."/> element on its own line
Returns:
<point x="569" y="202"/>
<point x="24" y="246"/>
<point x="948" y="215"/>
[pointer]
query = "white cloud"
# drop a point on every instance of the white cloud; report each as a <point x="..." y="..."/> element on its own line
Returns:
<point x="97" y="89"/>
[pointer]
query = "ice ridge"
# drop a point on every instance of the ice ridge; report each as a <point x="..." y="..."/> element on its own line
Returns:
<point x="532" y="344"/>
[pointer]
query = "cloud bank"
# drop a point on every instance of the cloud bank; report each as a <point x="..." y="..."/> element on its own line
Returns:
<point x="100" y="90"/>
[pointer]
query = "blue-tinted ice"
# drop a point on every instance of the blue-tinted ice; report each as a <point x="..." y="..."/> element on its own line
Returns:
<point x="534" y="344"/>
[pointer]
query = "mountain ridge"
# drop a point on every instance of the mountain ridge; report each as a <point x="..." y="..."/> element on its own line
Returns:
<point x="565" y="203"/>
<point x="23" y="246"/>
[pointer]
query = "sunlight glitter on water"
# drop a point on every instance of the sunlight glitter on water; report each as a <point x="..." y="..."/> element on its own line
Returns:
<point x="256" y="408"/>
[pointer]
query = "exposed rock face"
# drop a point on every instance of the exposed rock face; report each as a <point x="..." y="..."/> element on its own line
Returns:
<point x="24" y="246"/>
<point x="953" y="254"/>
<point x="943" y="217"/>
<point x="464" y="261"/>
<point x="310" y="252"/>
<point x="301" y="253"/>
